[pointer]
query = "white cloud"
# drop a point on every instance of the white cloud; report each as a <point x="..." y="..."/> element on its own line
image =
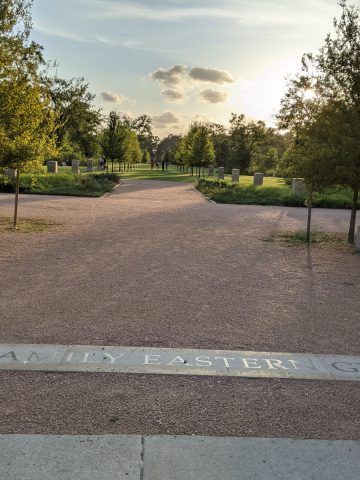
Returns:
<point x="166" y="118"/>
<point x="212" y="75"/>
<point x="213" y="96"/>
<point x="172" y="76"/>
<point x="172" y="95"/>
<point x="182" y="80"/>
<point x="112" y="97"/>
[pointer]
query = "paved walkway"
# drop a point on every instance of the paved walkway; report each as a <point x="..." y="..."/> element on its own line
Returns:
<point x="115" y="457"/>
<point x="156" y="265"/>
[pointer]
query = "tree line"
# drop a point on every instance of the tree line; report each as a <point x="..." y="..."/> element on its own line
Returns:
<point x="43" y="116"/>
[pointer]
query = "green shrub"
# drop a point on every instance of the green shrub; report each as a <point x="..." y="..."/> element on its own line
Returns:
<point x="224" y="192"/>
<point x="62" y="184"/>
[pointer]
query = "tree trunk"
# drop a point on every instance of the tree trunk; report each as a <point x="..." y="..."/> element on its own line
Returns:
<point x="17" y="188"/>
<point x="112" y="166"/>
<point x="308" y="228"/>
<point x="351" y="235"/>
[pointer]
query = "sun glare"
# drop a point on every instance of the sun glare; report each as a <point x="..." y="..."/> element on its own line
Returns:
<point x="309" y="94"/>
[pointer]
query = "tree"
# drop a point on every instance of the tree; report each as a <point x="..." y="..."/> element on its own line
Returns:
<point x="119" y="142"/>
<point x="196" y="149"/>
<point x="113" y="139"/>
<point x="220" y="141"/>
<point x="78" y="119"/>
<point x="245" y="138"/>
<point x="303" y="114"/>
<point x="334" y="72"/>
<point x="167" y="146"/>
<point x="26" y="119"/>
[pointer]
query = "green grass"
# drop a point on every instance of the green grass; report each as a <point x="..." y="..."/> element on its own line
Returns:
<point x="273" y="192"/>
<point x="27" y="225"/>
<point x="90" y="185"/>
<point x="299" y="238"/>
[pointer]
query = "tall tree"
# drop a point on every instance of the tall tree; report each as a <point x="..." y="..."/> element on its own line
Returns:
<point x="78" y="118"/>
<point x="245" y="138"/>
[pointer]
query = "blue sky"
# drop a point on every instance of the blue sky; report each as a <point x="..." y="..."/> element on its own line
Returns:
<point x="180" y="60"/>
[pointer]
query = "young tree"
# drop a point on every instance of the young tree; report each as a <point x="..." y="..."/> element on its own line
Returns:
<point x="26" y="119"/>
<point x="196" y="149"/>
<point x="334" y="71"/>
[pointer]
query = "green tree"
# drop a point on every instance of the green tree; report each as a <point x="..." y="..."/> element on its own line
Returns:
<point x="26" y="119"/>
<point x="196" y="149"/>
<point x="303" y="115"/>
<point x="245" y="139"/>
<point x="334" y="73"/>
<point x="78" y="118"/>
<point x="167" y="146"/>
<point x="220" y="141"/>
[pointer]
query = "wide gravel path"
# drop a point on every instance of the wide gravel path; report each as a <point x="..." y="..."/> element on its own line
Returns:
<point x="155" y="264"/>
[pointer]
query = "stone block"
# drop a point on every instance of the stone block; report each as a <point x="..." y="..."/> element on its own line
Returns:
<point x="211" y="171"/>
<point x="52" y="166"/>
<point x="221" y="173"/>
<point x="235" y="175"/>
<point x="358" y="239"/>
<point x="75" y="164"/>
<point x="298" y="186"/>
<point x="258" y="179"/>
<point x="89" y="165"/>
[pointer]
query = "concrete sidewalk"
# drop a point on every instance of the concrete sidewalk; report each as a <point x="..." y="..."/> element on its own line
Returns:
<point x="132" y="457"/>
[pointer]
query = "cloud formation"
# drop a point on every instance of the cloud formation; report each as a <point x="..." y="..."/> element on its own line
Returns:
<point x="170" y="77"/>
<point x="212" y="75"/>
<point x="182" y="80"/>
<point x="172" y="95"/>
<point x="165" y="119"/>
<point x="213" y="96"/>
<point x="112" y="97"/>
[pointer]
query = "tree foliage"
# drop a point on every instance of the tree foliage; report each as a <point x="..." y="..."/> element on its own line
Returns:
<point x="26" y="119"/>
<point x="326" y="126"/>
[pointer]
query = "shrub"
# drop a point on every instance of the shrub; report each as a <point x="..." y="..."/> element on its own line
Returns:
<point x="224" y="192"/>
<point x="62" y="184"/>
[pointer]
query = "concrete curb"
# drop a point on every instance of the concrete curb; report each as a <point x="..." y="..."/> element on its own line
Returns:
<point x="109" y="193"/>
<point x="204" y="196"/>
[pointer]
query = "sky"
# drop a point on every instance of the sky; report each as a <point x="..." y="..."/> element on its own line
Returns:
<point x="183" y="60"/>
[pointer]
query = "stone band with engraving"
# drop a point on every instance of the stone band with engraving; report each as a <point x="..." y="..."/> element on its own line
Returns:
<point x="87" y="358"/>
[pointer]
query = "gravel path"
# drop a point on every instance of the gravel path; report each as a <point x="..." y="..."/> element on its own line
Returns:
<point x="155" y="264"/>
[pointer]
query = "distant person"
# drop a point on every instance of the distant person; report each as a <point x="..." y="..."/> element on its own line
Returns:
<point x="101" y="163"/>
